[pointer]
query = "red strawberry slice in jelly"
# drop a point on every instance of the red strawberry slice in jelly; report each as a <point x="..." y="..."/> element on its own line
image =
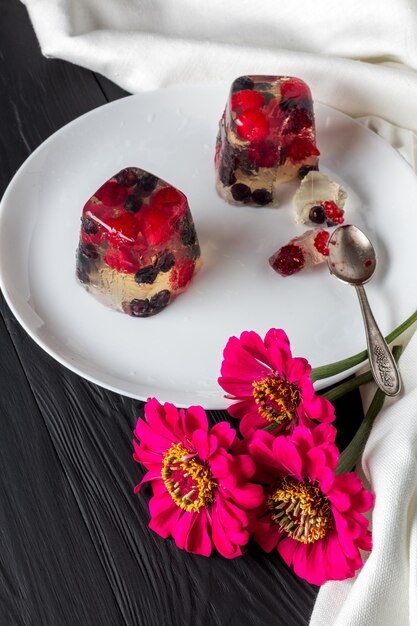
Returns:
<point x="111" y="193"/>
<point x="122" y="230"/>
<point x="252" y="125"/>
<point x="297" y="120"/>
<point x="170" y="198"/>
<point x="155" y="224"/>
<point x="182" y="274"/>
<point x="263" y="153"/>
<point x="158" y="219"/>
<point x="300" y="148"/>
<point x="295" y="89"/>
<point x="120" y="259"/>
<point x="247" y="99"/>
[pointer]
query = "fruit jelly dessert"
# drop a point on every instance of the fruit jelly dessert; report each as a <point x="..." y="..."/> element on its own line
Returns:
<point x="319" y="200"/>
<point x="138" y="246"/>
<point x="307" y="250"/>
<point x="266" y="137"/>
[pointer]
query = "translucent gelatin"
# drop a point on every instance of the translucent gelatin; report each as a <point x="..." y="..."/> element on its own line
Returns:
<point x="319" y="200"/>
<point x="301" y="252"/>
<point x="138" y="246"/>
<point x="266" y="137"/>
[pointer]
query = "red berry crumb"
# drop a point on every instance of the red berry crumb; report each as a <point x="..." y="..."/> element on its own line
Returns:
<point x="263" y="153"/>
<point x="247" y="99"/>
<point x="252" y="125"/>
<point x="300" y="148"/>
<point x="111" y="193"/>
<point x="333" y="213"/>
<point x="288" y="260"/>
<point x="320" y="242"/>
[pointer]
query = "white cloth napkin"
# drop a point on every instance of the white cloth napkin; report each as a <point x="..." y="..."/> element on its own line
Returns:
<point x="384" y="591"/>
<point x="359" y="57"/>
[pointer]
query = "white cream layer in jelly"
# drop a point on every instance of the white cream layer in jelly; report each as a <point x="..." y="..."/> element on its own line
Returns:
<point x="266" y="137"/>
<point x="138" y="246"/>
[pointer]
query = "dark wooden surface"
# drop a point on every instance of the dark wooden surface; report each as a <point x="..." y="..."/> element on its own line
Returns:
<point x="75" y="548"/>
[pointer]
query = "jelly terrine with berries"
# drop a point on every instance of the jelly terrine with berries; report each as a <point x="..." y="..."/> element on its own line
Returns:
<point x="138" y="246"/>
<point x="266" y="137"/>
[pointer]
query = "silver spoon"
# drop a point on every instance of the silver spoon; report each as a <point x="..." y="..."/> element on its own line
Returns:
<point x="352" y="260"/>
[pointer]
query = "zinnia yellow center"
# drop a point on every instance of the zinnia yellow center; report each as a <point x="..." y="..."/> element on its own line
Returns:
<point x="277" y="399"/>
<point x="301" y="510"/>
<point x="188" y="480"/>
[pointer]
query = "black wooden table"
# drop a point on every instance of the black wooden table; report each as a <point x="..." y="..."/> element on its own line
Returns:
<point x="75" y="548"/>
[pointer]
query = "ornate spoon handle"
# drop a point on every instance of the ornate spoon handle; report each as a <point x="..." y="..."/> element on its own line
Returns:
<point x="383" y="365"/>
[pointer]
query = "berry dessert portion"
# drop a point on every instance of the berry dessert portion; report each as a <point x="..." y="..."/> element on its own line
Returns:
<point x="138" y="246"/>
<point x="302" y="252"/>
<point x="266" y="137"/>
<point x="319" y="200"/>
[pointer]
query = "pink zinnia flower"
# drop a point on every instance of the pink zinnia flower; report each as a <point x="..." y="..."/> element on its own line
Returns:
<point x="270" y="386"/>
<point x="201" y="493"/>
<point x="312" y="516"/>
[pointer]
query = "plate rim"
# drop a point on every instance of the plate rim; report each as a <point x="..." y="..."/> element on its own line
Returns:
<point x="209" y="403"/>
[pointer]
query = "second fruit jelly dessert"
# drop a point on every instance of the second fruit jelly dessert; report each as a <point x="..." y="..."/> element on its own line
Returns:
<point x="266" y="137"/>
<point x="138" y="246"/>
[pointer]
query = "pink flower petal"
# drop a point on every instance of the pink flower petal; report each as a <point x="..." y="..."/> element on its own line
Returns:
<point x="149" y="476"/>
<point x="279" y="337"/>
<point x="161" y="503"/>
<point x="286" y="548"/>
<point x="193" y="419"/>
<point x="253" y="344"/>
<point x="152" y="439"/>
<point x="299" y="559"/>
<point x="319" y="408"/>
<point x="231" y="516"/>
<point x="324" y="433"/>
<point x="182" y="528"/>
<point x="242" y="408"/>
<point x="252" y="421"/>
<point x="337" y="565"/>
<point x="297" y="368"/>
<point x="198" y="540"/>
<point x="164" y="519"/>
<point x="224" y="433"/>
<point x="248" y="496"/>
<point x="266" y="535"/>
<point x="244" y="466"/>
<point x="200" y="442"/>
<point x="288" y="456"/>
<point x="260" y="448"/>
<point x="156" y="417"/>
<point x="239" y="363"/>
<point x="316" y="564"/>
<point x="220" y="538"/>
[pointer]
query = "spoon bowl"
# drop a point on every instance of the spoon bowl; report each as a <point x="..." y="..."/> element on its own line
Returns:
<point x="352" y="260"/>
<point x="352" y="257"/>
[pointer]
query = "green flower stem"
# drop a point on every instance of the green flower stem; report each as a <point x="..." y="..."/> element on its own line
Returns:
<point x="326" y="371"/>
<point x="347" y="385"/>
<point x="353" y="451"/>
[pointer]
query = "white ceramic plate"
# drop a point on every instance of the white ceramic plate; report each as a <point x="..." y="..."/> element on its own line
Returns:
<point x="176" y="355"/>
